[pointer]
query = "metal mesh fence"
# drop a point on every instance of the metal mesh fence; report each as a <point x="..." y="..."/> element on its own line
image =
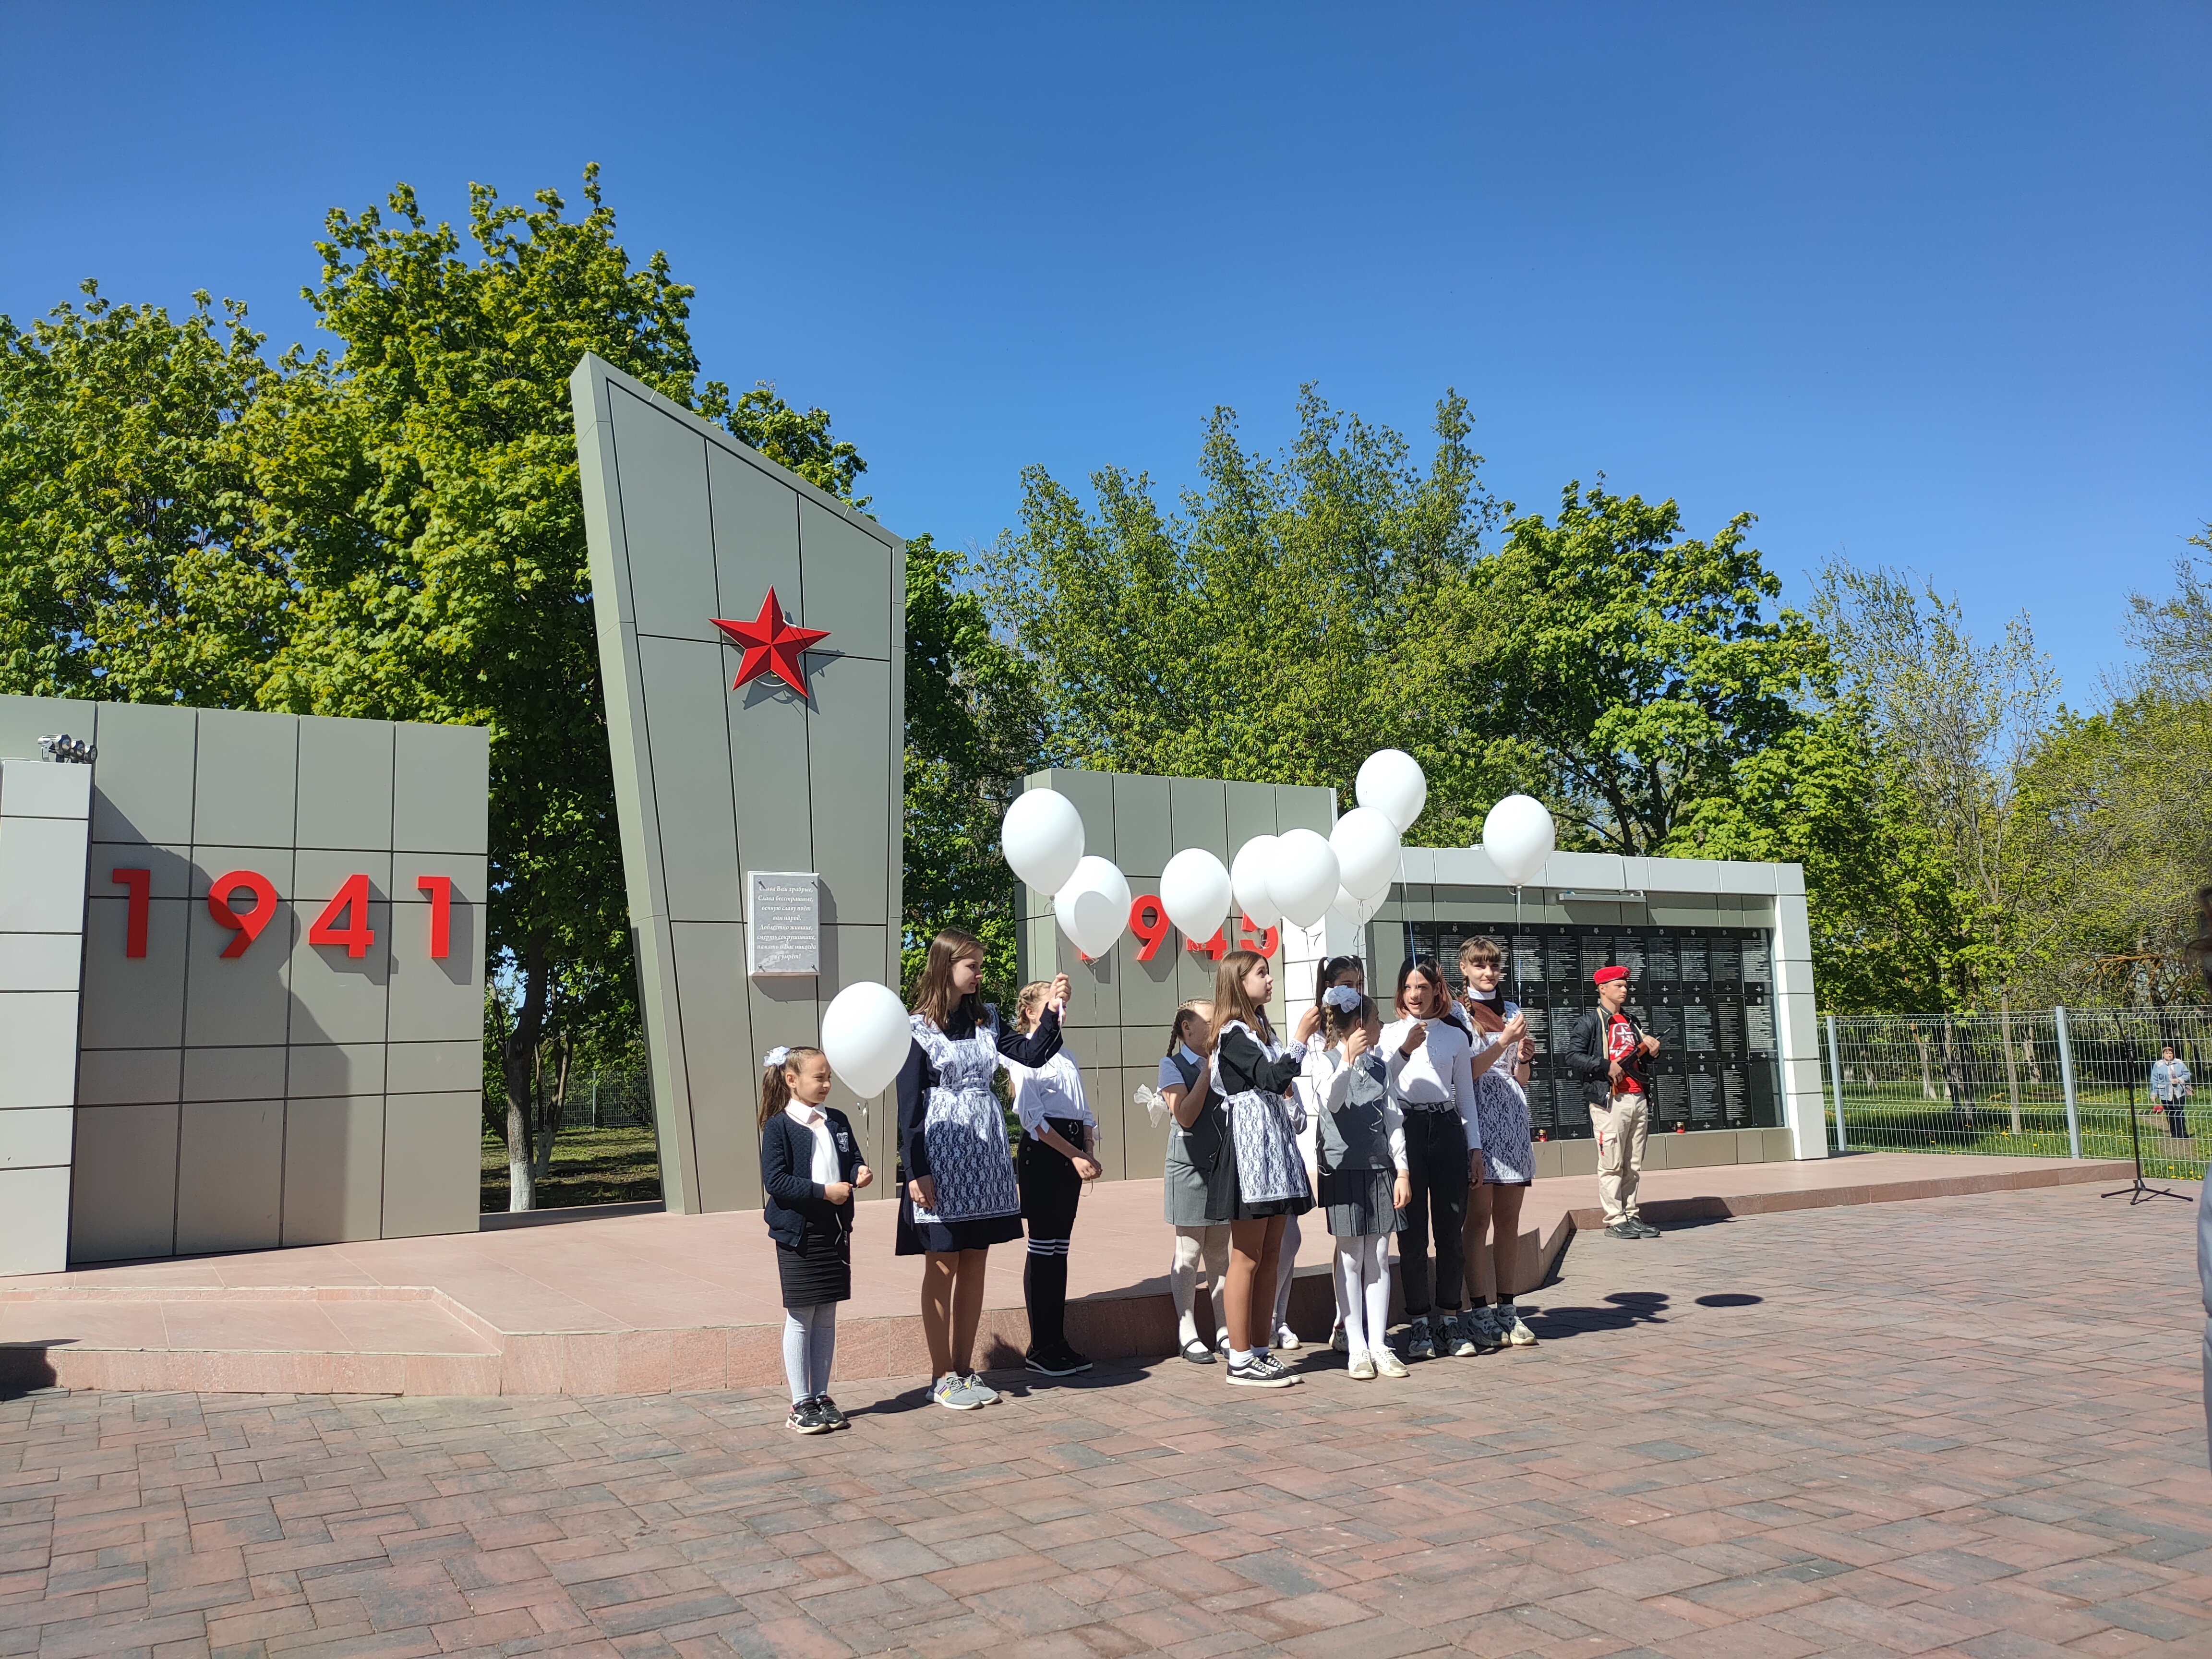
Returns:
<point x="616" y="1099"/>
<point x="2052" y="1083"/>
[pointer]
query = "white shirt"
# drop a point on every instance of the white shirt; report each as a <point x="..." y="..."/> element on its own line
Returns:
<point x="1329" y="1074"/>
<point x="817" y="1123"/>
<point x="1052" y="1090"/>
<point x="1171" y="1075"/>
<point x="1440" y="1071"/>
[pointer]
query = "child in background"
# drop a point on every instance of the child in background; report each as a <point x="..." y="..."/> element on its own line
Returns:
<point x="810" y="1169"/>
<point x="1364" y="1186"/>
<point x="1059" y="1137"/>
<point x="1199" y="1191"/>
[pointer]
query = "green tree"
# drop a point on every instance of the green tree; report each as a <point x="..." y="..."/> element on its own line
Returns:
<point x="973" y="726"/>
<point x="1620" y="669"/>
<point x="137" y="562"/>
<point x="1261" y="632"/>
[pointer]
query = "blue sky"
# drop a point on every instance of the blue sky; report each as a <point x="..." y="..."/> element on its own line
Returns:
<point x="1917" y="284"/>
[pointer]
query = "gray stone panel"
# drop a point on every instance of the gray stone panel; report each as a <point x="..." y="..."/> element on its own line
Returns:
<point x="755" y="536"/>
<point x="233" y="1074"/>
<point x="1143" y="832"/>
<point x="692" y="800"/>
<point x="318" y="1070"/>
<point x="1094" y="988"/>
<point x="168" y="867"/>
<point x="341" y="998"/>
<point x="230" y="1176"/>
<point x="136" y="1003"/>
<point x="345" y="783"/>
<point x="435" y="1139"/>
<point x="851" y="763"/>
<point x="244" y="779"/>
<point x="1198" y="813"/>
<point x="141" y="784"/>
<point x="334" y="1170"/>
<point x="655" y="940"/>
<point x="31" y="850"/>
<point x="212" y="862"/>
<point x="128" y="1077"/>
<point x="439" y="802"/>
<point x="470" y="876"/>
<point x="319" y="873"/>
<point x="431" y="1000"/>
<point x="1299" y="807"/>
<point x="24" y="720"/>
<point x="1150" y="989"/>
<point x="720" y="1052"/>
<point x="423" y="1068"/>
<point x="246" y="1001"/>
<point x="847" y="574"/>
<point x="664" y="518"/>
<point x="1091" y="795"/>
<point x="123" y="1193"/>
<point x="767" y="725"/>
<point x="1251" y="812"/>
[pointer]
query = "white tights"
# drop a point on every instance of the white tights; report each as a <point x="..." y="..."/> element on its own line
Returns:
<point x="1192" y="1243"/>
<point x="810" y="1339"/>
<point x="1363" y="1291"/>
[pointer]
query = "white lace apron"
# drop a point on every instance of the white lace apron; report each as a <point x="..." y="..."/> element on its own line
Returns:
<point x="964" y="1128"/>
<point x="1264" y="1130"/>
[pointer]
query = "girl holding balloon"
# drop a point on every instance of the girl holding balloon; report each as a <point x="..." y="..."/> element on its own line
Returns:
<point x="960" y="1196"/>
<point x="1199" y="1191"/>
<point x="1058" y="1154"/>
<point x="1253" y="1072"/>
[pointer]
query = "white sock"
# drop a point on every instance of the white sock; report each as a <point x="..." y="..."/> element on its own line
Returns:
<point x="1240" y="1356"/>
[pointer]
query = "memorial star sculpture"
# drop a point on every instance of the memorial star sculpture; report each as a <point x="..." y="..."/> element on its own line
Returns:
<point x="772" y="645"/>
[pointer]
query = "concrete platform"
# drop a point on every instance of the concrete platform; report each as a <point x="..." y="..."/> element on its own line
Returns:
<point x="588" y="1303"/>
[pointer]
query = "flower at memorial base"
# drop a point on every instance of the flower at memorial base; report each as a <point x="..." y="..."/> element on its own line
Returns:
<point x="772" y="645"/>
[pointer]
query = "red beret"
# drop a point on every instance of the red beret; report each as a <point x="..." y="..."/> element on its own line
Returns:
<point x="1605" y="974"/>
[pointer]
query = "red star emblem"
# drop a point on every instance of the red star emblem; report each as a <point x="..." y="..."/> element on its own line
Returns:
<point x="772" y="645"/>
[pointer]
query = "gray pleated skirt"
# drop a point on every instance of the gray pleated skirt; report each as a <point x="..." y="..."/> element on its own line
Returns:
<point x="1357" y="1203"/>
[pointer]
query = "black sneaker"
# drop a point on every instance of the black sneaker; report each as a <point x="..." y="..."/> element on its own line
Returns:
<point x="1069" y="1357"/>
<point x="1622" y="1229"/>
<point x="1644" y="1228"/>
<point x="830" y="1414"/>
<point x="1054" y="1364"/>
<point x="1257" y="1373"/>
<point x="806" y="1417"/>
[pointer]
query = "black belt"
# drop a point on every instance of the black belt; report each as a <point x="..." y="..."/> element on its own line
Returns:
<point x="1430" y="1106"/>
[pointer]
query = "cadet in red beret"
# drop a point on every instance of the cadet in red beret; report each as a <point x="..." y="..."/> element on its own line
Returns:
<point x="1612" y="1058"/>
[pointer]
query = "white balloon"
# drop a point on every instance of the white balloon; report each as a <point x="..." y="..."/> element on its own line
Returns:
<point x="1195" y="891"/>
<point x="1247" y="879"/>
<point x="864" y="1037"/>
<point x="1391" y="781"/>
<point x="1353" y="914"/>
<point x="1303" y="876"/>
<point x="1518" y="836"/>
<point x="1366" y="846"/>
<point x="1093" y="907"/>
<point x="1041" y="837"/>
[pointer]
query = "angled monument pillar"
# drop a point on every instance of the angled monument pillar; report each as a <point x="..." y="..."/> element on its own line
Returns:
<point x="727" y="772"/>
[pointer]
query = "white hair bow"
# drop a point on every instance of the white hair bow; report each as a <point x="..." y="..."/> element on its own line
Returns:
<point x="1344" y="997"/>
<point x="1155" y="1104"/>
<point x="774" y="1057"/>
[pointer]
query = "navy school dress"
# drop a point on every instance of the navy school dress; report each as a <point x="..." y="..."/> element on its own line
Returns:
<point x="813" y="1237"/>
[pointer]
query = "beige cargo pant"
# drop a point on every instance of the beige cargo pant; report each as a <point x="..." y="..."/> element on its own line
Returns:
<point x="1622" y="1128"/>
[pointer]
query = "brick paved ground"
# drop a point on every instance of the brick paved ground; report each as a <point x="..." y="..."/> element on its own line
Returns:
<point x="1962" y="1425"/>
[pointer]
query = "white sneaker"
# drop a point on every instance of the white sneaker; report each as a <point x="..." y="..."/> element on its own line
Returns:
<point x="984" y="1394"/>
<point x="1513" y="1328"/>
<point x="1387" y="1363"/>
<point x="1362" y="1368"/>
<point x="1286" y="1338"/>
<point x="951" y="1390"/>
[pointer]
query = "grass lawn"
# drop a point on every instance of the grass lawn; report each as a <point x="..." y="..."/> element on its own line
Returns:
<point x="1900" y="1119"/>
<point x="590" y="1166"/>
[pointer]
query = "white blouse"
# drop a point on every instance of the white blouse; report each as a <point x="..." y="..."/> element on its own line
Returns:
<point x="1052" y="1090"/>
<point x="1440" y="1071"/>
<point x="817" y="1123"/>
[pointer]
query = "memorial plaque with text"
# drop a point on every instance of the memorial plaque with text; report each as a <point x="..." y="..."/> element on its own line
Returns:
<point x="1755" y="960"/>
<point x="1629" y="953"/>
<point x="1705" y="1101"/>
<point x="1733" y="1099"/>
<point x="783" y="937"/>
<point x="1698" y="1030"/>
<point x="1724" y="960"/>
<point x="1693" y="962"/>
<point x="1670" y="1098"/>
<point x="1661" y="961"/>
<point x="1596" y="954"/>
<point x="1730" y="1020"/>
<point x="1758" y="1027"/>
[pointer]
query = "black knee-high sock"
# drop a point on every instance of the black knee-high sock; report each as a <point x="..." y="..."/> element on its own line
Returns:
<point x="1044" y="1288"/>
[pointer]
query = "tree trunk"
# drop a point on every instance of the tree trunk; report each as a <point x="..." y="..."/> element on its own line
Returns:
<point x="552" y="1123"/>
<point x="1927" y="1071"/>
<point x="520" y="1063"/>
<point x="2012" y="1068"/>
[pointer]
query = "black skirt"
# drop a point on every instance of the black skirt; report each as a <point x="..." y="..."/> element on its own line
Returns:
<point x="820" y="1270"/>
<point x="945" y="1237"/>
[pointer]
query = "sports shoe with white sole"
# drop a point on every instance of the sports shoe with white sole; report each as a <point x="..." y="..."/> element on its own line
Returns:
<point x="984" y="1393"/>
<point x="1420" y="1338"/>
<point x="1513" y="1328"/>
<point x="1258" y="1373"/>
<point x="952" y="1392"/>
<point x="1337" y="1344"/>
<point x="1362" y="1369"/>
<point x="1482" y="1326"/>
<point x="1388" y="1364"/>
<point x="1459" y="1336"/>
<point x="1286" y="1338"/>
